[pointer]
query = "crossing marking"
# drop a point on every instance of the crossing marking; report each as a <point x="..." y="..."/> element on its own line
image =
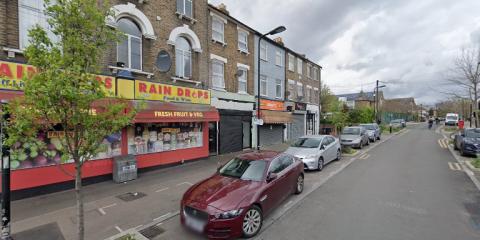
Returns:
<point x="443" y="143"/>
<point x="364" y="156"/>
<point x="454" y="166"/>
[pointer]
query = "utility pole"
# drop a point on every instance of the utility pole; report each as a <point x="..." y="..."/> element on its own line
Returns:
<point x="5" y="235"/>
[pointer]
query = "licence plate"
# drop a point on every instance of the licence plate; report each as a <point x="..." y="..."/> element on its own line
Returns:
<point x="194" y="224"/>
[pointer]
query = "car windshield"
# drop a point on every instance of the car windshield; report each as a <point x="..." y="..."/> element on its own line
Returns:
<point x="307" y="143"/>
<point x="472" y="133"/>
<point x="351" y="131"/>
<point x="451" y="118"/>
<point x="244" y="169"/>
<point x="368" y="126"/>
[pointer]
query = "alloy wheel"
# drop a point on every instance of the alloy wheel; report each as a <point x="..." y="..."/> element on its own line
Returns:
<point x="300" y="184"/>
<point x="252" y="222"/>
<point x="339" y="154"/>
<point x="320" y="164"/>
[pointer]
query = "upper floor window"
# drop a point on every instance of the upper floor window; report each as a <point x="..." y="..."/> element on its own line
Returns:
<point x="129" y="49"/>
<point x="242" y="40"/>
<point x="309" y="71"/>
<point x="291" y="62"/>
<point x="291" y="89"/>
<point x="263" y="51"/>
<point x="278" y="58"/>
<point x="218" y="29"/>
<point x="263" y="85"/>
<point x="315" y="73"/>
<point x="31" y="12"/>
<point x="185" y="7"/>
<point x="242" y="80"/>
<point x="183" y="58"/>
<point x="299" y="89"/>
<point x="299" y="66"/>
<point x="278" y="88"/>
<point x="218" y="72"/>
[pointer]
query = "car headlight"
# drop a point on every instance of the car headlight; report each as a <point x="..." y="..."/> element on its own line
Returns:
<point x="229" y="214"/>
<point x="356" y="140"/>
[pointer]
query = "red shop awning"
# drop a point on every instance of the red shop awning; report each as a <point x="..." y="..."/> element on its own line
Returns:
<point x="156" y="112"/>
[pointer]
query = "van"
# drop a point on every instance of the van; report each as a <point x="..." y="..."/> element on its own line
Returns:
<point x="451" y="119"/>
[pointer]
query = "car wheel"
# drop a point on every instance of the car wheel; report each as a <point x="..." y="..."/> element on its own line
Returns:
<point x="360" y="145"/>
<point x="461" y="151"/>
<point x="455" y="146"/>
<point x="368" y="143"/>
<point x="378" y="138"/>
<point x="339" y="154"/>
<point x="299" y="184"/>
<point x="252" y="222"/>
<point x="320" y="164"/>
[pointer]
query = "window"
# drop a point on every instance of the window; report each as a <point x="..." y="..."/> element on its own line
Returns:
<point x="299" y="66"/>
<point x="315" y="73"/>
<point x="31" y="13"/>
<point x="309" y="71"/>
<point x="183" y="58"/>
<point x="244" y="169"/>
<point x="263" y="85"/>
<point x="129" y="49"/>
<point x="299" y="90"/>
<point x="291" y="62"/>
<point x="242" y="81"/>
<point x="278" y="88"/>
<point x="311" y="99"/>
<point x="263" y="51"/>
<point x="291" y="89"/>
<point x="218" y="69"/>
<point x="278" y="58"/>
<point x="307" y="94"/>
<point x="218" y="29"/>
<point x="242" y="41"/>
<point x="185" y="7"/>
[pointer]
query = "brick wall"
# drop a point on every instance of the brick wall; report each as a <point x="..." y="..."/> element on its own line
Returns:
<point x="302" y="78"/>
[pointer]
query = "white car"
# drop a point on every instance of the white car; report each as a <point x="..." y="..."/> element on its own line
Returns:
<point x="316" y="150"/>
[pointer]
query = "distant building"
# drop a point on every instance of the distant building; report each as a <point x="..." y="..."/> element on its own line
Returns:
<point x="361" y="99"/>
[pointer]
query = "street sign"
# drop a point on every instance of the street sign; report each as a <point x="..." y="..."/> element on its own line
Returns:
<point x="258" y="121"/>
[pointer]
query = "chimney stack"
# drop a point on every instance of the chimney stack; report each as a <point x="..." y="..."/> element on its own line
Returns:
<point x="223" y="8"/>
<point x="279" y="40"/>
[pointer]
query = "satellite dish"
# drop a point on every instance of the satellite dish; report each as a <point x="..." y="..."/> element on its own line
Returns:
<point x="164" y="61"/>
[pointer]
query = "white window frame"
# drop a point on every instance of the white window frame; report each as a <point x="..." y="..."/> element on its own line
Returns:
<point x="223" y="22"/>
<point x="184" y="12"/>
<point x="309" y="70"/>
<point x="300" y="66"/>
<point x="278" y="58"/>
<point x="292" y="91"/>
<point x="264" y="47"/>
<point x="263" y="78"/>
<point x="129" y="65"/>
<point x="182" y="68"/>
<point x="315" y="73"/>
<point x="220" y="75"/>
<point x="243" y="79"/>
<point x="23" y="38"/>
<point x="291" y="62"/>
<point x="242" y="41"/>
<point x="308" y="94"/>
<point x="299" y="86"/>
<point x="277" y="81"/>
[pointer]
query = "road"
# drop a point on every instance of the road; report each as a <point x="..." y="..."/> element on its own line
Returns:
<point x="407" y="188"/>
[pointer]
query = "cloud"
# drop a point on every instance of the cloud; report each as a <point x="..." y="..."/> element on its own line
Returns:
<point x="359" y="41"/>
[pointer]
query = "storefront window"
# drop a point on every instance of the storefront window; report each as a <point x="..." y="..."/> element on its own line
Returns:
<point x="161" y="137"/>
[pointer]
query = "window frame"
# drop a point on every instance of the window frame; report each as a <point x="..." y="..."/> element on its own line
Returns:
<point x="41" y="19"/>
<point x="266" y="85"/>
<point x="183" y="61"/>
<point x="262" y="44"/>
<point x="300" y="66"/>
<point x="184" y="12"/>
<point x="216" y="61"/>
<point x="300" y="87"/>
<point x="222" y="33"/>
<point x="278" y="58"/>
<point x="239" y="79"/>
<point x="292" y="84"/>
<point x="241" y="31"/>
<point x="291" y="62"/>
<point x="277" y="81"/>
<point x="129" y="47"/>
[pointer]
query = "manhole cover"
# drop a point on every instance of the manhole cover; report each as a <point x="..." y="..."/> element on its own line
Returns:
<point x="152" y="232"/>
<point x="128" y="197"/>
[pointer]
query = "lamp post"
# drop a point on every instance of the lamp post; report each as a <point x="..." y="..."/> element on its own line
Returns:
<point x="376" y="100"/>
<point x="5" y="234"/>
<point x="320" y="101"/>
<point x="272" y="32"/>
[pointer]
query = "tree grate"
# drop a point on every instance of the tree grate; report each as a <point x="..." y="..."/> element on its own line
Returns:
<point x="152" y="232"/>
<point x="130" y="196"/>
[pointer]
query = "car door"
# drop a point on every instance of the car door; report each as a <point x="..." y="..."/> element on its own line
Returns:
<point x="459" y="139"/>
<point x="273" y="194"/>
<point x="329" y="149"/>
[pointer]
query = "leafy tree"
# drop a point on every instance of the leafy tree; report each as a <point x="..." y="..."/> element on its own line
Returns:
<point x="361" y="115"/>
<point x="328" y="101"/>
<point x="62" y="94"/>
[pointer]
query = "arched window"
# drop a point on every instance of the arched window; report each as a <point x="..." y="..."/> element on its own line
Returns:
<point x="183" y="58"/>
<point x="129" y="49"/>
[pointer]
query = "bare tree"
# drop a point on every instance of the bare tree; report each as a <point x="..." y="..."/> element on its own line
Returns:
<point x="464" y="77"/>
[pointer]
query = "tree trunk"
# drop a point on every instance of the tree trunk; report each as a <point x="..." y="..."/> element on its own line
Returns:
<point x="79" y="198"/>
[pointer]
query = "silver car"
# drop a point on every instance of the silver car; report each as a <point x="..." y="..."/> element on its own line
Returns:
<point x="354" y="137"/>
<point x="373" y="131"/>
<point x="316" y="150"/>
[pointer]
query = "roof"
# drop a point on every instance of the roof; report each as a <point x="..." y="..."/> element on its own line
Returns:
<point x="259" y="155"/>
<point x="354" y="96"/>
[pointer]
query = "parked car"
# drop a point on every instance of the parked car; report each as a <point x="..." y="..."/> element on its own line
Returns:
<point x="373" y="131"/>
<point x="234" y="201"/>
<point x="315" y="151"/>
<point x="398" y="123"/>
<point x="467" y="141"/>
<point x="354" y="137"/>
<point x="451" y="119"/>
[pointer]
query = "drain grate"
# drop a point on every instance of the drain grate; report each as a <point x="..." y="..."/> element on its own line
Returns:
<point x="152" y="232"/>
<point x="128" y="197"/>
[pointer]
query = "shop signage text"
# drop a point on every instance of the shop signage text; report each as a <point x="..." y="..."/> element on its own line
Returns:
<point x="271" y="105"/>
<point x="169" y="93"/>
<point x="300" y="106"/>
<point x="178" y="114"/>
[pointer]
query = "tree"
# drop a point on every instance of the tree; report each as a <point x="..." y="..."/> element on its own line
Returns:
<point x="327" y="99"/>
<point x="64" y="90"/>
<point x="361" y="115"/>
<point x="464" y="76"/>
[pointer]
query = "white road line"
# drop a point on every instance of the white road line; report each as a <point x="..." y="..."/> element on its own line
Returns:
<point x="450" y="165"/>
<point x="161" y="190"/>
<point x="164" y="215"/>
<point x="458" y="167"/>
<point x="184" y="183"/>
<point x="102" y="209"/>
<point x="454" y="166"/>
<point x="118" y="228"/>
<point x="288" y="203"/>
<point x="139" y="226"/>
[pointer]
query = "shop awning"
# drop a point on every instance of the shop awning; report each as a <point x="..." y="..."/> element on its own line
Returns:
<point x="155" y="112"/>
<point x="275" y="117"/>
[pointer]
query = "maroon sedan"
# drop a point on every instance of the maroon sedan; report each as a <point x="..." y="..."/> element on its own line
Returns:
<point x="233" y="202"/>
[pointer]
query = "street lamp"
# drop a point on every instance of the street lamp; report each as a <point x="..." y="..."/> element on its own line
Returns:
<point x="272" y="32"/>
<point x="376" y="99"/>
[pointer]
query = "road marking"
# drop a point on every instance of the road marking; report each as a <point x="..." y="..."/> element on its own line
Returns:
<point x="139" y="226"/>
<point x="288" y="203"/>
<point x="102" y="209"/>
<point x="184" y="183"/>
<point x="364" y="156"/>
<point x="118" y="228"/>
<point x="164" y="215"/>
<point x="443" y="143"/>
<point x="161" y="190"/>
<point x="454" y="166"/>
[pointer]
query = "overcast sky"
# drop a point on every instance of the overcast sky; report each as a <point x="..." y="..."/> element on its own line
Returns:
<point x="409" y="43"/>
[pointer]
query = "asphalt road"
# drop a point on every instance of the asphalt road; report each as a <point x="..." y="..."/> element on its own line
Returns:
<point x="403" y="189"/>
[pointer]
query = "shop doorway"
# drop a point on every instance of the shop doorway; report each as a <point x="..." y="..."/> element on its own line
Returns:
<point x="247" y="128"/>
<point x="212" y="138"/>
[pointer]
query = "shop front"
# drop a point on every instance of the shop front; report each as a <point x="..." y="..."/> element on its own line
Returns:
<point x="274" y="122"/>
<point x="312" y="119"/>
<point x="170" y="127"/>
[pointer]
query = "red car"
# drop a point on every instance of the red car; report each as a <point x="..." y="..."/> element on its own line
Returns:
<point x="233" y="202"/>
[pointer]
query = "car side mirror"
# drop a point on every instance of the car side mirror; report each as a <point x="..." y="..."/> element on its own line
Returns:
<point x="322" y="147"/>
<point x="271" y="176"/>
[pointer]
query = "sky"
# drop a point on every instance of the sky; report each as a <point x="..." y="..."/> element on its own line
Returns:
<point x="408" y="44"/>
